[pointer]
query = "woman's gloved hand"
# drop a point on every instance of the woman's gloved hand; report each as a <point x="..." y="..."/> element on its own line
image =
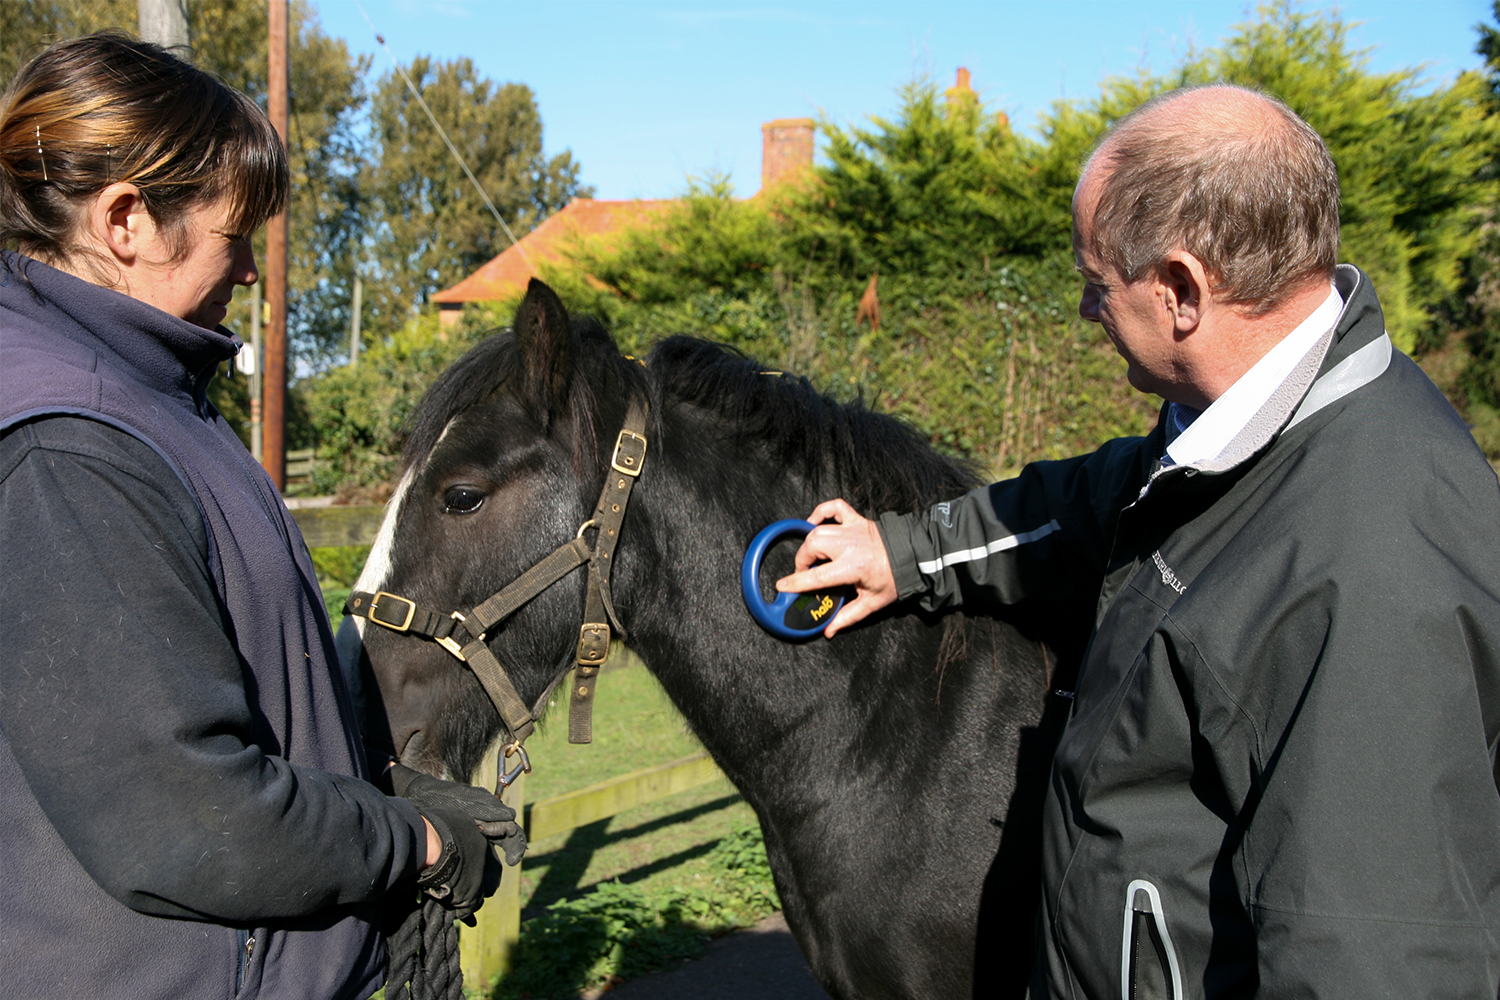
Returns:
<point x="469" y="821"/>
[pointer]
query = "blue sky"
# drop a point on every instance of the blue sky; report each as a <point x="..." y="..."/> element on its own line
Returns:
<point x="645" y="94"/>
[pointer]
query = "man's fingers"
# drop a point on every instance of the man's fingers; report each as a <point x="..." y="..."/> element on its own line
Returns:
<point x="816" y="578"/>
<point x="851" y="613"/>
<point x="832" y="510"/>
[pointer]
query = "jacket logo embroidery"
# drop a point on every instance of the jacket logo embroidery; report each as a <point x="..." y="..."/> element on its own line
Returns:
<point x="943" y="513"/>
<point x="1167" y="576"/>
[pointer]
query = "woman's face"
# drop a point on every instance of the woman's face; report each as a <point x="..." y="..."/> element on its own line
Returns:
<point x="198" y="286"/>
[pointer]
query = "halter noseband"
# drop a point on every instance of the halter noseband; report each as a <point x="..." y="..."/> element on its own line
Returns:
<point x="401" y="614"/>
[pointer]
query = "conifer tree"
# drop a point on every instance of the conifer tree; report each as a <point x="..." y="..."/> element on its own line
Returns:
<point x="1481" y="378"/>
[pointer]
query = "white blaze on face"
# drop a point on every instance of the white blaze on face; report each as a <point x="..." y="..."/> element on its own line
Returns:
<point x="378" y="566"/>
<point x="350" y="638"/>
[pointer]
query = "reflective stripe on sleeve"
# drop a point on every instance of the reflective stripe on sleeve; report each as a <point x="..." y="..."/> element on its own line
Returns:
<point x="998" y="545"/>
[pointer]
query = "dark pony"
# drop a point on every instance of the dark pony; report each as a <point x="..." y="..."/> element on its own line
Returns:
<point x="897" y="770"/>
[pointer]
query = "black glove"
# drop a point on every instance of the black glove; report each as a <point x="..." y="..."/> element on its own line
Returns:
<point x="467" y="820"/>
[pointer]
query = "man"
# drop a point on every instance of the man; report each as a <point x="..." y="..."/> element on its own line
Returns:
<point x="1279" y="772"/>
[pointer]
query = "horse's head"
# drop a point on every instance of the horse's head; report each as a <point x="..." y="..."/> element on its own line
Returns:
<point x="500" y="467"/>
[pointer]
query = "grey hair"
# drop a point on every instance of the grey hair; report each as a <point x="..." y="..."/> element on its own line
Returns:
<point x="1241" y="182"/>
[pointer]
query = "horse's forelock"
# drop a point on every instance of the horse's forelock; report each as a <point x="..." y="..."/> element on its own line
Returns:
<point x="597" y="365"/>
<point x="469" y="380"/>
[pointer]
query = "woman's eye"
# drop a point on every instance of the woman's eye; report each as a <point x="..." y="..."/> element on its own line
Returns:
<point x="462" y="500"/>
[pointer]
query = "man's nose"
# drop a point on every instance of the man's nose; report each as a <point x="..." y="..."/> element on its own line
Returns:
<point x="1088" y="304"/>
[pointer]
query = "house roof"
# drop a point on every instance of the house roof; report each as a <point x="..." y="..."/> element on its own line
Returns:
<point x="509" y="272"/>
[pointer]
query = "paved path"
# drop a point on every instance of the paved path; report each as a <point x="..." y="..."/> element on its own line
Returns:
<point x="759" y="963"/>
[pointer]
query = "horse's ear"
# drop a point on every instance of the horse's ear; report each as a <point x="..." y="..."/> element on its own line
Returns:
<point x="547" y="345"/>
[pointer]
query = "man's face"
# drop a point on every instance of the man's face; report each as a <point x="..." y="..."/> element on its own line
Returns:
<point x="1133" y="314"/>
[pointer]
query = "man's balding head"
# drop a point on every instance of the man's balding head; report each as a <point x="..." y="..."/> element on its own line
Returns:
<point x="1231" y="176"/>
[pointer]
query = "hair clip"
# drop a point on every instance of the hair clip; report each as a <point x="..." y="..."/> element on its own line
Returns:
<point x="39" y="152"/>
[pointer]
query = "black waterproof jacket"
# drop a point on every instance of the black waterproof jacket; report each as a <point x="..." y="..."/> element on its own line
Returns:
<point x="1279" y="775"/>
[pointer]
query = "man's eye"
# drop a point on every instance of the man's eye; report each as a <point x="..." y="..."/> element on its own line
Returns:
<point x="462" y="500"/>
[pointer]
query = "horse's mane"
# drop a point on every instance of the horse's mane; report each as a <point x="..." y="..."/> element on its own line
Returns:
<point x="875" y="461"/>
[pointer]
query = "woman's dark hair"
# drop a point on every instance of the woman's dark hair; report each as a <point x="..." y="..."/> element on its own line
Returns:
<point x="90" y="111"/>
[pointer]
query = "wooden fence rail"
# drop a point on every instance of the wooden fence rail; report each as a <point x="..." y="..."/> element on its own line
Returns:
<point x="325" y="527"/>
<point x="486" y="949"/>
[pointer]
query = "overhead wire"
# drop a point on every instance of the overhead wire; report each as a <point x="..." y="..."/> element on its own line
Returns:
<point x="443" y="133"/>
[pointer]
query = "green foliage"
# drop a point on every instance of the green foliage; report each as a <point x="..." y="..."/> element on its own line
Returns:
<point x="1480" y="381"/>
<point x="618" y="931"/>
<point x="431" y="227"/>
<point x="357" y="412"/>
<point x="28" y="26"/>
<point x="708" y="242"/>
<point x="927" y="198"/>
<point x="337" y="568"/>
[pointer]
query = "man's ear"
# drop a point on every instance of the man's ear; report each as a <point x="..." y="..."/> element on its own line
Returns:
<point x="1186" y="290"/>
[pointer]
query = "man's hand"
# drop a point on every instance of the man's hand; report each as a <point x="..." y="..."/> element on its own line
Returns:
<point x="856" y="556"/>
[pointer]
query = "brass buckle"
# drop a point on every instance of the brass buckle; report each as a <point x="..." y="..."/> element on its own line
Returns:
<point x="451" y="644"/>
<point x="632" y="463"/>
<point x="411" y="611"/>
<point x="593" y="644"/>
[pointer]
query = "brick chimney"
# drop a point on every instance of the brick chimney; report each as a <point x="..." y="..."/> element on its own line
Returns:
<point x="961" y="96"/>
<point x="786" y="150"/>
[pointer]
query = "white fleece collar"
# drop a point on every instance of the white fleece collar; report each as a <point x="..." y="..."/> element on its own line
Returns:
<point x="1206" y="435"/>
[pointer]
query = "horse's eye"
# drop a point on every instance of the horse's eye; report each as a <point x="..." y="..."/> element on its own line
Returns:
<point x="462" y="500"/>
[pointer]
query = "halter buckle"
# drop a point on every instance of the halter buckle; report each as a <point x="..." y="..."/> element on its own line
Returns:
<point x="411" y="611"/>
<point x="593" y="644"/>
<point x="630" y="453"/>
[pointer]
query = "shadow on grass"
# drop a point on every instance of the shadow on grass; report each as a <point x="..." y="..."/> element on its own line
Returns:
<point x="565" y="866"/>
<point x="617" y="931"/>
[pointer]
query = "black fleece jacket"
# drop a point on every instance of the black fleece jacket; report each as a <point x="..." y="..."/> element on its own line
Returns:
<point x="153" y="766"/>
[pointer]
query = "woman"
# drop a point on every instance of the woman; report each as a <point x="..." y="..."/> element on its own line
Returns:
<point x="185" y="805"/>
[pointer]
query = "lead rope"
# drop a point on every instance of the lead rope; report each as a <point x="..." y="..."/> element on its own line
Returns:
<point x="424" y="959"/>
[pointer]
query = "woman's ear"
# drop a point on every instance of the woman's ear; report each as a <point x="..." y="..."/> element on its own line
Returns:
<point x="118" y="222"/>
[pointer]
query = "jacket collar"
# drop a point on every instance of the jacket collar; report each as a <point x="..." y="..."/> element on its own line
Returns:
<point x="158" y="349"/>
<point x="1353" y="353"/>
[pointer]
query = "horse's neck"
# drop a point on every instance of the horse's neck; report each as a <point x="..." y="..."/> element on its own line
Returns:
<point x="758" y="703"/>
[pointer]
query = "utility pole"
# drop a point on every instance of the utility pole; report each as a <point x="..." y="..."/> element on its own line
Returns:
<point x="354" y="310"/>
<point x="164" y="22"/>
<point x="274" y="384"/>
<point x="257" y="378"/>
